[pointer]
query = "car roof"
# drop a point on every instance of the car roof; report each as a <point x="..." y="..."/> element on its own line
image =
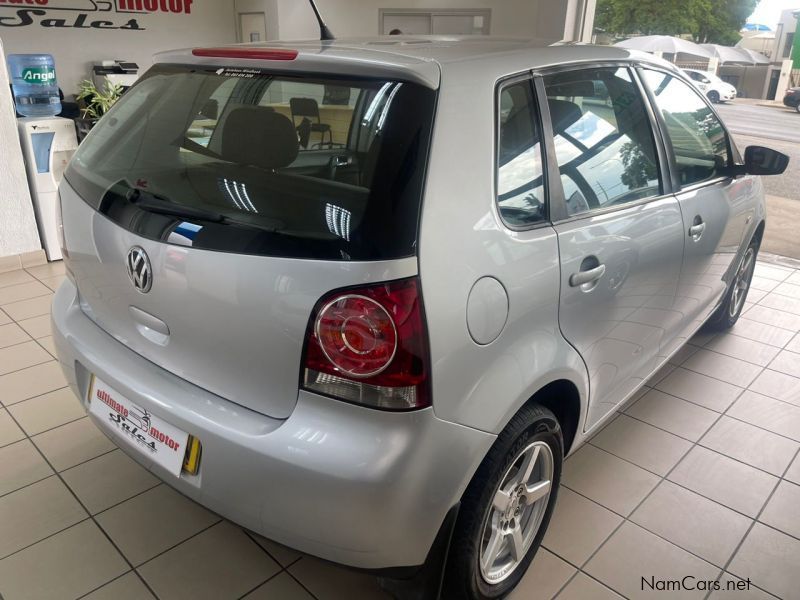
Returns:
<point x="420" y="58"/>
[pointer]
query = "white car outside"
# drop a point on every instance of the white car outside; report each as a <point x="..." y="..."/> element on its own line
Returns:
<point x="712" y="86"/>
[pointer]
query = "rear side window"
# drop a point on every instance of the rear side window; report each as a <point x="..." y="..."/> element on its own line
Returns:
<point x="258" y="163"/>
<point x="520" y="186"/>
<point x="698" y="139"/>
<point x="604" y="142"/>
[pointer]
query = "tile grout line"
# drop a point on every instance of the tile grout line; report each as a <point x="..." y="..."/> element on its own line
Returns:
<point x="265" y="582"/>
<point x="37" y="340"/>
<point x="281" y="568"/>
<point x="676" y="484"/>
<point x="88" y="512"/>
<point x="195" y="534"/>
<point x="277" y="562"/>
<point x="133" y="569"/>
<point x="297" y="579"/>
<point x="747" y="389"/>
<point x="37" y="395"/>
<point x="136" y="495"/>
<point x="626" y="519"/>
<point x="756" y="520"/>
<point x="285" y="569"/>
<point x="28" y="366"/>
<point x="697" y="442"/>
<point x="45" y="538"/>
<point x="575" y="575"/>
<point x="16" y="285"/>
<point x="102" y="585"/>
<point x="4" y="408"/>
<point x="70" y="422"/>
<point x="665" y="477"/>
<point x="22" y="487"/>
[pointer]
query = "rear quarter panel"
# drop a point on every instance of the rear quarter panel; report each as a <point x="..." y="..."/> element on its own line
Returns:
<point x="462" y="240"/>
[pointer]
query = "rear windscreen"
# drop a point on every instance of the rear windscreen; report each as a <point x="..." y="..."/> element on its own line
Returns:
<point x="241" y="160"/>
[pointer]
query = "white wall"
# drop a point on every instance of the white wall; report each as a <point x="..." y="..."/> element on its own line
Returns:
<point x="787" y="25"/>
<point x="268" y="7"/>
<point x="75" y="50"/>
<point x="346" y="18"/>
<point x="18" y="232"/>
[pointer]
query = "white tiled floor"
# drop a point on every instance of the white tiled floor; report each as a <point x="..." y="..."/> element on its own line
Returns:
<point x="700" y="476"/>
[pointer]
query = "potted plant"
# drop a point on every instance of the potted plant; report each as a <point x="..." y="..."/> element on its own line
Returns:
<point x="94" y="103"/>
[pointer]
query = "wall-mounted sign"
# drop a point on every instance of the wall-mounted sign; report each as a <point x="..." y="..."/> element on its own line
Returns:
<point x="86" y="14"/>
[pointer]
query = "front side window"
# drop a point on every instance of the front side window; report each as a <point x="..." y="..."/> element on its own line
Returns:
<point x="520" y="187"/>
<point x="698" y="139"/>
<point x="604" y="142"/>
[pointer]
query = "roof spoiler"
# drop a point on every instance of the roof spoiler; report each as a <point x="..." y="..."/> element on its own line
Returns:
<point x="324" y="32"/>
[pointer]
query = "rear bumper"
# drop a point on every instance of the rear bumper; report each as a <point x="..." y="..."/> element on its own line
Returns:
<point x="356" y="486"/>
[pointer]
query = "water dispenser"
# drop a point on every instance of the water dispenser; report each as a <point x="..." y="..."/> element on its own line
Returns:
<point x="47" y="144"/>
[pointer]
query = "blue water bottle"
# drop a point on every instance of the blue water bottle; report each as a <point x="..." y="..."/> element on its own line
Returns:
<point x="33" y="81"/>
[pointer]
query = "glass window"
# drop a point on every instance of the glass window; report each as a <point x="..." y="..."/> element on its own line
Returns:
<point x="604" y="143"/>
<point x="520" y="188"/>
<point x="788" y="45"/>
<point x="698" y="138"/>
<point x="231" y="157"/>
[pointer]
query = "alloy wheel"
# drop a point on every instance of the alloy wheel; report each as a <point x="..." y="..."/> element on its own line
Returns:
<point x="518" y="507"/>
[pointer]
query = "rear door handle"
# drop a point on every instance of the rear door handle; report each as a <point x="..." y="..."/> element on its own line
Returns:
<point x="583" y="277"/>
<point x="697" y="229"/>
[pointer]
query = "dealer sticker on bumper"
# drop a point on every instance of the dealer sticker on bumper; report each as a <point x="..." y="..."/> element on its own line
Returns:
<point x="162" y="442"/>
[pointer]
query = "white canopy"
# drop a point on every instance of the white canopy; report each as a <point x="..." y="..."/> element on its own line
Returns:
<point x="666" y="44"/>
<point x="727" y="55"/>
<point x="756" y="57"/>
<point x="735" y="56"/>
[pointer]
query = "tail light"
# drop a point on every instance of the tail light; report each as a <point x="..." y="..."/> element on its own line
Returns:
<point x="370" y="346"/>
<point x="247" y="52"/>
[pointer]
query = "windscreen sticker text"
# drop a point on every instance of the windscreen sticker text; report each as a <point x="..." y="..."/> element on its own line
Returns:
<point x="241" y="73"/>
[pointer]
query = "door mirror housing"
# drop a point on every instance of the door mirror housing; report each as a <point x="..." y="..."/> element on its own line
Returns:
<point x="759" y="160"/>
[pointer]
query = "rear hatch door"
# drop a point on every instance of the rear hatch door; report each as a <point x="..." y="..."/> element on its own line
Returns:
<point x="204" y="217"/>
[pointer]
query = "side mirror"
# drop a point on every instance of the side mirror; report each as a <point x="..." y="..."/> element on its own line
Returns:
<point x="764" y="161"/>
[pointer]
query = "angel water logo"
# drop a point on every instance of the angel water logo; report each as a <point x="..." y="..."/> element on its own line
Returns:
<point x="39" y="75"/>
<point x="86" y="14"/>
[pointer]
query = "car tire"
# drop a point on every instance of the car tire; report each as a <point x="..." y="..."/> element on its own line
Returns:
<point x="728" y="312"/>
<point x="713" y="95"/>
<point x="532" y="437"/>
<point x="797" y="107"/>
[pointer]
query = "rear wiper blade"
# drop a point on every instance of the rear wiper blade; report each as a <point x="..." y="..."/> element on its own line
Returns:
<point x="158" y="204"/>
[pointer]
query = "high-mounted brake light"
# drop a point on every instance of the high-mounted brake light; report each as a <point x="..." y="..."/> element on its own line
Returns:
<point x="370" y="346"/>
<point x="251" y="53"/>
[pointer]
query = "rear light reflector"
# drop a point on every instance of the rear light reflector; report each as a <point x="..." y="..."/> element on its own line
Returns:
<point x="251" y="53"/>
<point x="370" y="346"/>
<point x="357" y="335"/>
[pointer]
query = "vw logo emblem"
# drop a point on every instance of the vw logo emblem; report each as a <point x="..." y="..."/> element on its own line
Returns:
<point x="139" y="269"/>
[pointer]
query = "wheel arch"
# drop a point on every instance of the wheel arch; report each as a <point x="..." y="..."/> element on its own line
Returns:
<point x="563" y="399"/>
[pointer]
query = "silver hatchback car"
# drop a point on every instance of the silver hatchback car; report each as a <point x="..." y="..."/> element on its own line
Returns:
<point x="363" y="297"/>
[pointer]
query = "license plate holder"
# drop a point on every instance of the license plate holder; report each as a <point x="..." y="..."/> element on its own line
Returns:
<point x="159" y="440"/>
